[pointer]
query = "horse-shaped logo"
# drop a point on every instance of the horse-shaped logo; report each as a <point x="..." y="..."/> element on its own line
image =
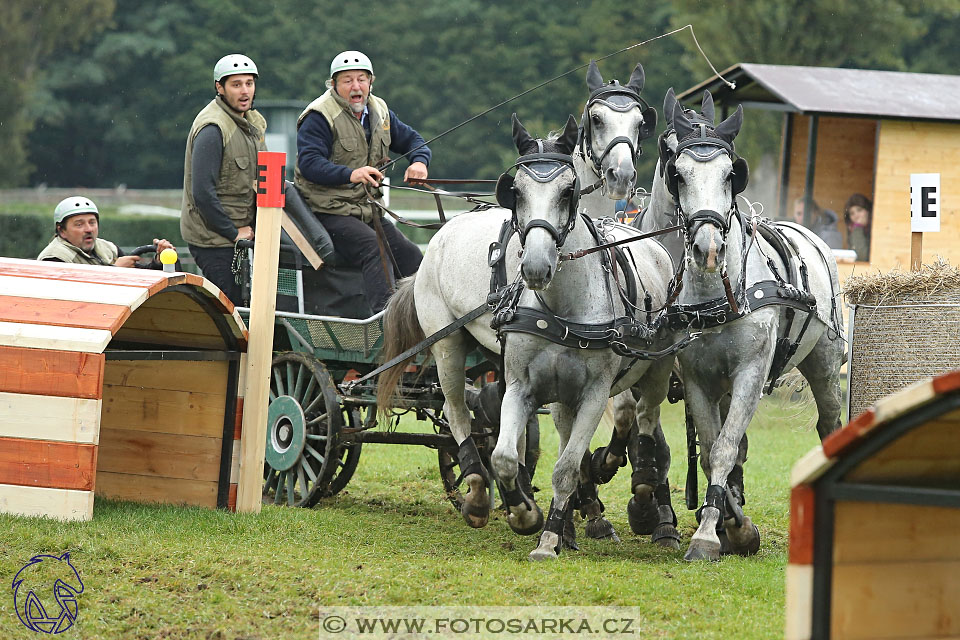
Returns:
<point x="42" y="574"/>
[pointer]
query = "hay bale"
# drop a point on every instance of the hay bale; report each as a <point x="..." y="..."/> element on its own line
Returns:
<point x="906" y="327"/>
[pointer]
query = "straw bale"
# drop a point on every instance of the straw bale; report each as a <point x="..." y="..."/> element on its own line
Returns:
<point x="939" y="280"/>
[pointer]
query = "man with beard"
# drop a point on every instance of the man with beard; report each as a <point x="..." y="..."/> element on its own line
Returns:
<point x="342" y="137"/>
<point x="220" y="172"/>
<point x="77" y="227"/>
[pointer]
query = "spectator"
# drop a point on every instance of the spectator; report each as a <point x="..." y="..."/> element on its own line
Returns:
<point x="858" y="215"/>
<point x="823" y="222"/>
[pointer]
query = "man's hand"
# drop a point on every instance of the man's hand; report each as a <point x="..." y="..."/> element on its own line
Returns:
<point x="416" y="171"/>
<point x="244" y="233"/>
<point x="162" y="244"/>
<point x="126" y="261"/>
<point x="366" y="175"/>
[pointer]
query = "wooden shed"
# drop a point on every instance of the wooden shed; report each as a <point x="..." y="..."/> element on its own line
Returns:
<point x="874" y="516"/>
<point x="120" y="383"/>
<point x="851" y="131"/>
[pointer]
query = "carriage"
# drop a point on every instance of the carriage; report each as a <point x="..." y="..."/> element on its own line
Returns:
<point x="326" y="336"/>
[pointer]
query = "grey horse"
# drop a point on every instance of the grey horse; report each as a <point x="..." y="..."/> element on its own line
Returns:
<point x="537" y="370"/>
<point x="725" y="259"/>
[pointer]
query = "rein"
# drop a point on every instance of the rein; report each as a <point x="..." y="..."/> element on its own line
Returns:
<point x="585" y="252"/>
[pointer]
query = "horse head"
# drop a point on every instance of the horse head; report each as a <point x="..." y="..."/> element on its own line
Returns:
<point x="543" y="198"/>
<point x="704" y="176"/>
<point x="615" y="121"/>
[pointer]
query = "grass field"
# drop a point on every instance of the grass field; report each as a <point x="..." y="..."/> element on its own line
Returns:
<point x="391" y="538"/>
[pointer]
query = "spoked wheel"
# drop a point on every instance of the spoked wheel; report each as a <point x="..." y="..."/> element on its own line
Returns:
<point x="304" y="451"/>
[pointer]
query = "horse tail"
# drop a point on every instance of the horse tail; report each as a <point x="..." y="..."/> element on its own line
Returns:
<point x="401" y="330"/>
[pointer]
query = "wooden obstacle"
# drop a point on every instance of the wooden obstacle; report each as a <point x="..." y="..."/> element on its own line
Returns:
<point x="119" y="383"/>
<point x="874" y="515"/>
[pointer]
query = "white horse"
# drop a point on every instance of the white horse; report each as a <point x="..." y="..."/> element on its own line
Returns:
<point x="759" y="315"/>
<point x="557" y="320"/>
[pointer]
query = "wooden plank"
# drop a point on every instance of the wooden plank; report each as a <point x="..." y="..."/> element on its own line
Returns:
<point x="159" y="454"/>
<point x="799" y="621"/>
<point x="63" y="313"/>
<point x="235" y="462"/>
<point x="171" y="338"/>
<point x="43" y="463"/>
<point x="62" y="504"/>
<point x="141" y="488"/>
<point x="895" y="600"/>
<point x="259" y="355"/>
<point x="288" y="225"/>
<point x="39" y="336"/>
<point x="71" y="374"/>
<point x="868" y="532"/>
<point x="177" y="320"/>
<point x="77" y="291"/>
<point x="164" y="410"/>
<point x="148" y="279"/>
<point x="49" y="418"/>
<point x="928" y="455"/>
<point x="173" y="375"/>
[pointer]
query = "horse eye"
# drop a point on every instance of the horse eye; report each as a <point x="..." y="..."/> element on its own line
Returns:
<point x="596" y="119"/>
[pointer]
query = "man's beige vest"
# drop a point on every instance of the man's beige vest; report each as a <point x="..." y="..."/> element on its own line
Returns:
<point x="237" y="183"/>
<point x="349" y="148"/>
<point x="104" y="252"/>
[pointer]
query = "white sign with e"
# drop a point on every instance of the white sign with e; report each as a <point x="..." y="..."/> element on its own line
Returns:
<point x="924" y="202"/>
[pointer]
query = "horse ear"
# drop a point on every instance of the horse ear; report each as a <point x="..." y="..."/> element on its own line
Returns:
<point x="568" y="139"/>
<point x="729" y="128"/>
<point x="669" y="101"/>
<point x="521" y="138"/>
<point x="707" y="110"/>
<point x="594" y="79"/>
<point x="637" y="79"/>
<point x="680" y="123"/>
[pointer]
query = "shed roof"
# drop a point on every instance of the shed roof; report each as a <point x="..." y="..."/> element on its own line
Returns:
<point x="828" y="90"/>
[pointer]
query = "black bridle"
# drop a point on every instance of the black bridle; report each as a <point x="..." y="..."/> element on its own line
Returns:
<point x="543" y="167"/>
<point x="601" y="95"/>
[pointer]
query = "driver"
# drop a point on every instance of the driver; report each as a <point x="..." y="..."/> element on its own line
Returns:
<point x="76" y="240"/>
<point x="341" y="138"/>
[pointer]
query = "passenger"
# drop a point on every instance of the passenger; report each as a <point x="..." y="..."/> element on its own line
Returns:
<point x="858" y="214"/>
<point x="342" y="137"/>
<point x="220" y="172"/>
<point x="77" y="229"/>
<point x="823" y="222"/>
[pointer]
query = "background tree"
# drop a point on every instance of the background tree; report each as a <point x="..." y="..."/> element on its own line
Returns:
<point x="31" y="34"/>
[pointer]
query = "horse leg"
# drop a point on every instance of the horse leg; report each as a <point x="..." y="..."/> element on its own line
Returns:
<point x="523" y="514"/>
<point x="567" y="470"/>
<point x="705" y="544"/>
<point x="450" y="354"/>
<point x="563" y="420"/>
<point x="821" y="368"/>
<point x="591" y="508"/>
<point x="606" y="461"/>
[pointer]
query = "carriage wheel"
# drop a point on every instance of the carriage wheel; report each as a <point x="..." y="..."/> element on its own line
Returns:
<point x="304" y="452"/>
<point x="348" y="455"/>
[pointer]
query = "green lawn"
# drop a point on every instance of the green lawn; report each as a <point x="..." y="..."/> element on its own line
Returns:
<point x="391" y="538"/>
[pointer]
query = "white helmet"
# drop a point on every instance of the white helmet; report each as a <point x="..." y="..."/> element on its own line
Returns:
<point x="72" y="206"/>
<point x="347" y="60"/>
<point x="233" y="64"/>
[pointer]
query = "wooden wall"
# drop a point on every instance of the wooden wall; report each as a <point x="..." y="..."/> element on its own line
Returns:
<point x="915" y="147"/>
<point x="161" y="428"/>
<point x="844" y="162"/>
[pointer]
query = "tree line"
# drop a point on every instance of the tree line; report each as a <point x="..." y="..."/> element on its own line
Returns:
<point x="102" y="92"/>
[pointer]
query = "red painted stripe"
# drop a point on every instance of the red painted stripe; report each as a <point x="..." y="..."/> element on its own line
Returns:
<point x="43" y="463"/>
<point x="64" y="313"/>
<point x="232" y="498"/>
<point x="839" y="441"/>
<point x="68" y="374"/>
<point x="802" y="506"/>
<point x="947" y="382"/>
<point x="238" y="420"/>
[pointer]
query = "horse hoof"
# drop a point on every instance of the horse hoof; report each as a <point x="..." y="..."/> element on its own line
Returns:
<point x="643" y="515"/>
<point x="701" y="549"/>
<point x="747" y="542"/>
<point x="601" y="529"/>
<point x="600" y="471"/>
<point x="667" y="536"/>
<point x="547" y="549"/>
<point x="518" y="525"/>
<point x="476" y="504"/>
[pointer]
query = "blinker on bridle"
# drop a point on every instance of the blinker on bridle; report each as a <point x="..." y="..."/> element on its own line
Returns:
<point x="543" y="168"/>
